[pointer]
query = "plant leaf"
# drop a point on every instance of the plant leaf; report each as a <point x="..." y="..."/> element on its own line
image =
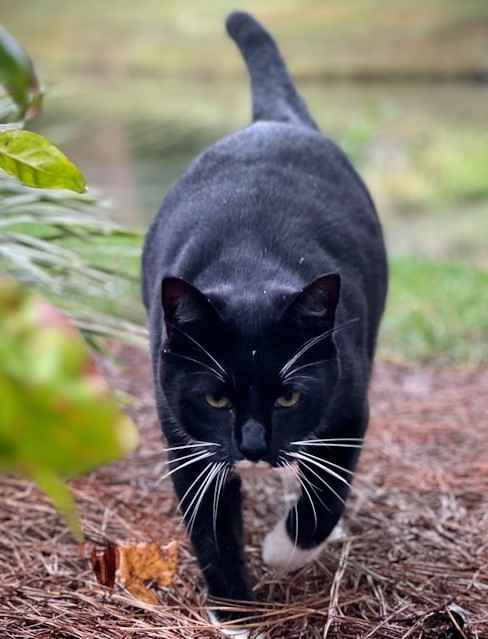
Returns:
<point x="57" y="416"/>
<point x="90" y="267"/>
<point x="36" y="162"/>
<point x="18" y="76"/>
<point x="61" y="498"/>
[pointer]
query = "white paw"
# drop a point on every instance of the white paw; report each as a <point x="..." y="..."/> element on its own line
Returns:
<point x="232" y="631"/>
<point x="279" y="551"/>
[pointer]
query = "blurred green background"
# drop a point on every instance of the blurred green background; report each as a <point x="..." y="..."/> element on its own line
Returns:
<point x="135" y="90"/>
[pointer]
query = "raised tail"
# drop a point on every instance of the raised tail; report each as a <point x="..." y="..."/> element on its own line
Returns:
<point x="274" y="96"/>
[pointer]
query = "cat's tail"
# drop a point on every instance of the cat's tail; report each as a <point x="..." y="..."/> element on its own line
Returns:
<point x="274" y="96"/>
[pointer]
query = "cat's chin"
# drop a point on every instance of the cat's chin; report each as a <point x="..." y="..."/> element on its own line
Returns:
<point x="236" y="632"/>
<point x="247" y="468"/>
<point x="279" y="551"/>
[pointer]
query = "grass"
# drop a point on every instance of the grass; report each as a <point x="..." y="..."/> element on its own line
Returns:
<point x="437" y="167"/>
<point x="436" y="311"/>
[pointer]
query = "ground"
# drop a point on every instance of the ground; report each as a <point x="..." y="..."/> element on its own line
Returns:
<point x="414" y="562"/>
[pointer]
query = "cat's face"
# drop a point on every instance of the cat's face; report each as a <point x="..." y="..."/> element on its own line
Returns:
<point x="251" y="384"/>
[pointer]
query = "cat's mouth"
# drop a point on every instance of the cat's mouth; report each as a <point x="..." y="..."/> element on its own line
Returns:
<point x="248" y="468"/>
<point x="247" y="463"/>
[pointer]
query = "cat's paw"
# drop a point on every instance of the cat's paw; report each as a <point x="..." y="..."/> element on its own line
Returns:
<point x="280" y="552"/>
<point x="236" y="632"/>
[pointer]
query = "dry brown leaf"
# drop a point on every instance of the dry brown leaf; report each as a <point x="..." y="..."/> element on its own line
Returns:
<point x="140" y="563"/>
<point x="104" y="565"/>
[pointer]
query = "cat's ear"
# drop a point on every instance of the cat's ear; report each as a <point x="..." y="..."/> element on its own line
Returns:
<point x="183" y="303"/>
<point x="316" y="304"/>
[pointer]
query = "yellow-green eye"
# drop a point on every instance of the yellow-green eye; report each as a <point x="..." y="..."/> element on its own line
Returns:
<point x="287" y="401"/>
<point x="217" y="402"/>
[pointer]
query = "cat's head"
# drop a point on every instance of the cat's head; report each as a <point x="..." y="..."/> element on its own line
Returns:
<point x="251" y="381"/>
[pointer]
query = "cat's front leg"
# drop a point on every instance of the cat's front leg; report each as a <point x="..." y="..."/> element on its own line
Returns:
<point x="324" y="474"/>
<point x="210" y="501"/>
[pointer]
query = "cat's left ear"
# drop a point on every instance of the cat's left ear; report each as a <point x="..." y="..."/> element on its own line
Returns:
<point x="184" y="304"/>
<point x="316" y="304"/>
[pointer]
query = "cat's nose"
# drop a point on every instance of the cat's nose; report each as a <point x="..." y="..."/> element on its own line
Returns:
<point x="253" y="443"/>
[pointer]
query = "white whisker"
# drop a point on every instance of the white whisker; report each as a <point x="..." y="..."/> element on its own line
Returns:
<point x="320" y="462"/>
<point x="194" y="445"/>
<point x="188" y="490"/>
<point x="303" y="366"/>
<point x="314" y="488"/>
<point x="332" y="439"/>
<point x="295" y="542"/>
<point x="301" y="477"/>
<point x="310" y="483"/>
<point x="332" y="443"/>
<point x="187" y="463"/>
<point x="207" y="483"/>
<point x="284" y="464"/>
<point x="210" y="468"/>
<point x="189" y="456"/>
<point x="198" y="362"/>
<point x="217" y="492"/>
<point x="319" y="477"/>
<point x="339" y="467"/>
<point x="290" y="378"/>
<point x="312" y="342"/>
<point x="301" y="351"/>
<point x="204" y="350"/>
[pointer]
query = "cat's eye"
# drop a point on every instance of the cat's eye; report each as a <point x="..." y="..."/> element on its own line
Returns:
<point x="217" y="401"/>
<point x="287" y="401"/>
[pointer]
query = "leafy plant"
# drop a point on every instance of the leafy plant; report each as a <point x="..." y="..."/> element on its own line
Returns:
<point x="57" y="418"/>
<point x="35" y="162"/>
<point x="60" y="240"/>
<point x="19" y="79"/>
<point x="63" y="244"/>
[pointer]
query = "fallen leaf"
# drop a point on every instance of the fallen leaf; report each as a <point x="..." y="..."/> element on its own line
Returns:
<point x="104" y="565"/>
<point x="141" y="563"/>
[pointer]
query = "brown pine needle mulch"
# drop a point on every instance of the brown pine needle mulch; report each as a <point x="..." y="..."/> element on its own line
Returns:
<point x="414" y="563"/>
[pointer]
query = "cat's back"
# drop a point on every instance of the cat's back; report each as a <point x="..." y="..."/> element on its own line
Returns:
<point x="272" y="189"/>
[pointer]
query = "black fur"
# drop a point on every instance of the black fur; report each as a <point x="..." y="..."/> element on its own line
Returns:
<point x="269" y="240"/>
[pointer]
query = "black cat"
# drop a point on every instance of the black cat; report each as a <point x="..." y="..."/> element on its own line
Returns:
<point x="264" y="277"/>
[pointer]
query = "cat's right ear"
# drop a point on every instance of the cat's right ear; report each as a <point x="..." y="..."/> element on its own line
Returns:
<point x="182" y="303"/>
<point x="315" y="306"/>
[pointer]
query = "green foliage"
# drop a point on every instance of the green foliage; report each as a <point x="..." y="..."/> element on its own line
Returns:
<point x="64" y="245"/>
<point x="18" y="77"/>
<point x="440" y="167"/>
<point x="27" y="156"/>
<point x="457" y="166"/>
<point x="57" y="418"/>
<point x="34" y="161"/>
<point x="56" y="240"/>
<point x="436" y="311"/>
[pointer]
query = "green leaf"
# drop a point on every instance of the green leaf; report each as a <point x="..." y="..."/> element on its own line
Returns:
<point x="18" y="76"/>
<point x="57" y="416"/>
<point x="36" y="162"/>
<point x="61" y="498"/>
